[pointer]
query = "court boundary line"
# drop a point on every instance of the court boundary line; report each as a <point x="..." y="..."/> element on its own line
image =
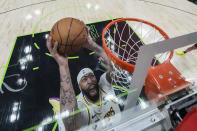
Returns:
<point x="4" y="12"/>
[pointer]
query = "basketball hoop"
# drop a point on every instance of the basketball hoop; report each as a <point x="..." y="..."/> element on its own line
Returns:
<point x="122" y="39"/>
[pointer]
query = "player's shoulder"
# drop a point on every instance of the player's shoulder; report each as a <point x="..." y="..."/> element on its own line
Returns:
<point x="80" y="98"/>
<point x="80" y="101"/>
<point x="104" y="84"/>
<point x="103" y="76"/>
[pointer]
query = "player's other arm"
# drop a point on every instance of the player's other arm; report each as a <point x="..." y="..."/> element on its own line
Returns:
<point x="68" y="102"/>
<point x="91" y="45"/>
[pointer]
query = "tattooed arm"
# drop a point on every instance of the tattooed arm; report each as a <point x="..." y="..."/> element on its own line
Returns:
<point x="68" y="102"/>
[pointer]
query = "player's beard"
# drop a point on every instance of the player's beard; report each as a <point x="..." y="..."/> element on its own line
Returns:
<point x="89" y="96"/>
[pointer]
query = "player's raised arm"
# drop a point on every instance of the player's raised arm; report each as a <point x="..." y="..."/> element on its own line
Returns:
<point x="68" y="102"/>
<point x="101" y="53"/>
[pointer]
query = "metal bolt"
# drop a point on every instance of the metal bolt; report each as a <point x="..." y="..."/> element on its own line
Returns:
<point x="160" y="76"/>
<point x="170" y="72"/>
<point x="152" y="120"/>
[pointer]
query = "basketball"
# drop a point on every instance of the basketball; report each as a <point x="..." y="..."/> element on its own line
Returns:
<point x="70" y="33"/>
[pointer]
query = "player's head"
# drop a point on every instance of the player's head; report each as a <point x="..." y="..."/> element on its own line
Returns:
<point x="88" y="84"/>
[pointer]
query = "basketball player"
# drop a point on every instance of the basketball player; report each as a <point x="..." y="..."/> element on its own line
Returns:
<point x="97" y="98"/>
<point x="194" y="47"/>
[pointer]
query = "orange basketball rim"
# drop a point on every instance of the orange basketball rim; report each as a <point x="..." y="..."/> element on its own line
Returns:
<point x="123" y="64"/>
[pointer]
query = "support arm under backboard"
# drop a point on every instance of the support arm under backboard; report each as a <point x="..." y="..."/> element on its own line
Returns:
<point x="145" y="55"/>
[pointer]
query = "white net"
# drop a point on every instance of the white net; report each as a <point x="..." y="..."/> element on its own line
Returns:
<point x="124" y="39"/>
